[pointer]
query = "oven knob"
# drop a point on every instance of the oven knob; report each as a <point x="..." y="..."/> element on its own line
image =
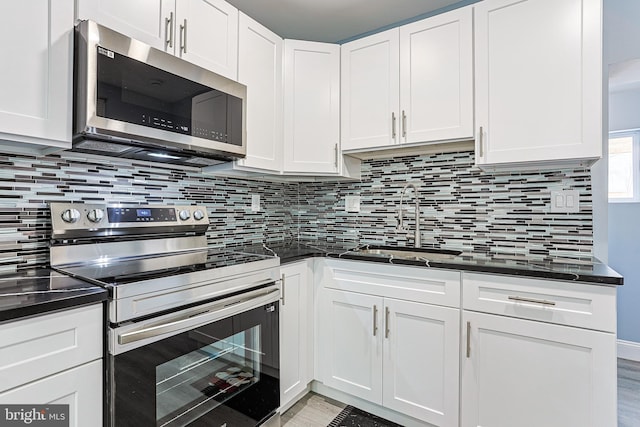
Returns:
<point x="198" y="215"/>
<point x="95" y="215"/>
<point x="185" y="214"/>
<point x="70" y="216"/>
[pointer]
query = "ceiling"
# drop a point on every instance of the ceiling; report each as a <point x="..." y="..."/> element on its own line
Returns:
<point x="336" y="20"/>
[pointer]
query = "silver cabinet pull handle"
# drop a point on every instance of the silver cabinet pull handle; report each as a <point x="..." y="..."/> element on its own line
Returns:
<point x="534" y="301"/>
<point x="393" y="126"/>
<point x="404" y="125"/>
<point x="183" y="37"/>
<point x="375" y="320"/>
<point x="468" y="339"/>
<point x="336" y="156"/>
<point x="481" y="143"/>
<point x="282" y="287"/>
<point x="168" y="30"/>
<point x="386" y="322"/>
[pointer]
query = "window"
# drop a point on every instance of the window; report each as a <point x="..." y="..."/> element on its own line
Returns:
<point x="624" y="166"/>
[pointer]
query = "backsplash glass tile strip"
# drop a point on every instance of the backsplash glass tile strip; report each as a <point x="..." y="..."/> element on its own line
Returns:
<point x="502" y="214"/>
<point x="461" y="207"/>
<point x="28" y="183"/>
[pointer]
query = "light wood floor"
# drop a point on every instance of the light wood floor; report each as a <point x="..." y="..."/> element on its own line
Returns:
<point x="312" y="410"/>
<point x="628" y="393"/>
<point x="317" y="411"/>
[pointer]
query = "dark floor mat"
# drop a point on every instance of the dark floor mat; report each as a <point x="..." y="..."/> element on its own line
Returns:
<point x="354" y="417"/>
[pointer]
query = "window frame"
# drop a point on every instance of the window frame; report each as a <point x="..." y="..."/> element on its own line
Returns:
<point x="635" y="148"/>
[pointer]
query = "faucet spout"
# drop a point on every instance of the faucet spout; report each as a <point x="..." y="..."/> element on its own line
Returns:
<point x="417" y="241"/>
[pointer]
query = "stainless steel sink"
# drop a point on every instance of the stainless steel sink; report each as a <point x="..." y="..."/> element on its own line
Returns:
<point x="409" y="253"/>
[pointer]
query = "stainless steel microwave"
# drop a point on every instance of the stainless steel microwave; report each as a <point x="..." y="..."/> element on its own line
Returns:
<point x="135" y="101"/>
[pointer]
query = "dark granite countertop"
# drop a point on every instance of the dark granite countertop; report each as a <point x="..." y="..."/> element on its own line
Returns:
<point x="574" y="270"/>
<point x="40" y="290"/>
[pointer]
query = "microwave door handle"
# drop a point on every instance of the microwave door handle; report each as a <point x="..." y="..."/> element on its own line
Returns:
<point x="196" y="320"/>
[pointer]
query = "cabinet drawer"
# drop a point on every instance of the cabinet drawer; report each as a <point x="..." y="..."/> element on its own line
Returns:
<point x="419" y="284"/>
<point x="80" y="388"/>
<point x="564" y="303"/>
<point x="37" y="347"/>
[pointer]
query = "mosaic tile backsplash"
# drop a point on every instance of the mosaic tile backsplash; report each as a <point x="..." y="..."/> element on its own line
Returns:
<point x="28" y="183"/>
<point x="461" y="206"/>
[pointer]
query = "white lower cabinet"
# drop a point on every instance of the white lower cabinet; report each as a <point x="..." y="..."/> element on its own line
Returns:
<point x="538" y="353"/>
<point x="55" y="358"/>
<point x="532" y="374"/>
<point x="296" y="331"/>
<point x="420" y="366"/>
<point x="80" y="388"/>
<point x="397" y="353"/>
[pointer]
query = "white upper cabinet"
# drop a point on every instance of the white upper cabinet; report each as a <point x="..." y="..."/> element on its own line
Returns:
<point x="436" y="78"/>
<point x="311" y="107"/>
<point x="207" y="35"/>
<point x="410" y="84"/>
<point x="538" y="67"/>
<point x="370" y="79"/>
<point x="149" y="21"/>
<point x="260" y="69"/>
<point x="204" y="32"/>
<point x="36" y="68"/>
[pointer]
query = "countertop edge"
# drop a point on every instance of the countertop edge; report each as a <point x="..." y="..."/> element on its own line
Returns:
<point x="594" y="279"/>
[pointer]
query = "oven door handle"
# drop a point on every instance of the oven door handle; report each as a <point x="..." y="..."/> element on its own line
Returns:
<point x="202" y="315"/>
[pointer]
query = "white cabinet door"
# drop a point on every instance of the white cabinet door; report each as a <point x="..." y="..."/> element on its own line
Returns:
<point x="36" y="68"/>
<point x="295" y="312"/>
<point x="436" y="78"/>
<point x="81" y="388"/>
<point x="311" y="107"/>
<point x="149" y="21"/>
<point x="532" y="374"/>
<point x="538" y="67"/>
<point x="370" y="79"/>
<point x="353" y="344"/>
<point x="260" y="69"/>
<point x="207" y="35"/>
<point x="421" y="361"/>
<point x="204" y="32"/>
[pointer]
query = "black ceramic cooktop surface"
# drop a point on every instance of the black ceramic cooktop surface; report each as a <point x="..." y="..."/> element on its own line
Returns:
<point x="113" y="271"/>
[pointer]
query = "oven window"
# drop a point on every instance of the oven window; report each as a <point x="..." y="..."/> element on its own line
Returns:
<point x="221" y="373"/>
<point x="193" y="384"/>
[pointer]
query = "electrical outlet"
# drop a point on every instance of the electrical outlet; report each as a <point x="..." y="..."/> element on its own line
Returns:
<point x="255" y="202"/>
<point x="352" y="203"/>
<point x="565" y="201"/>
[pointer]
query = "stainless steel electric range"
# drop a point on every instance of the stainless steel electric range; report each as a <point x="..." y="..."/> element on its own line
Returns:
<point x="192" y="331"/>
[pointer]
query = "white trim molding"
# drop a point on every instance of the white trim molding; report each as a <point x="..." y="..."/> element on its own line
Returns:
<point x="629" y="350"/>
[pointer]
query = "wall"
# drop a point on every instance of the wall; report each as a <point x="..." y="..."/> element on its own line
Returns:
<point x="28" y="183"/>
<point x="624" y="110"/>
<point x="461" y="207"/>
<point x="624" y="228"/>
<point x="624" y="249"/>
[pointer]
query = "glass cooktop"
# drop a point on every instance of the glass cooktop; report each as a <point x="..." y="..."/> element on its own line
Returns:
<point x="113" y="271"/>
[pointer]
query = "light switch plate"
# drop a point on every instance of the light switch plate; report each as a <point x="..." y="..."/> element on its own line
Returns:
<point x="255" y="202"/>
<point x="566" y="201"/>
<point x="352" y="203"/>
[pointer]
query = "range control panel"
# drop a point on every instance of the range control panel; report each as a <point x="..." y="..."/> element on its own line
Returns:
<point x="98" y="219"/>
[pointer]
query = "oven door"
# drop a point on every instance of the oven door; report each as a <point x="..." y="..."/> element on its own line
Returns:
<point x="211" y="365"/>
